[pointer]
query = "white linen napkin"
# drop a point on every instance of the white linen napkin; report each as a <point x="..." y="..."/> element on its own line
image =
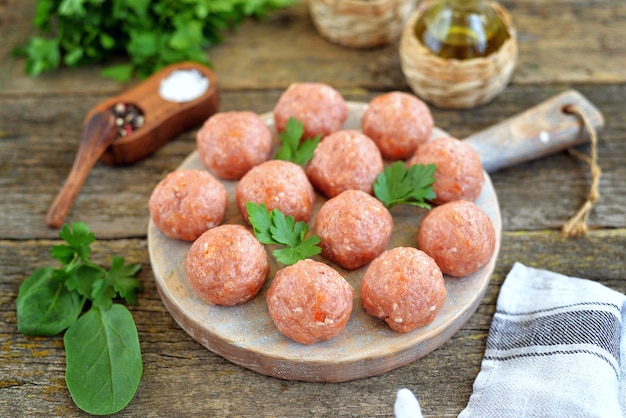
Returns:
<point x="554" y="349"/>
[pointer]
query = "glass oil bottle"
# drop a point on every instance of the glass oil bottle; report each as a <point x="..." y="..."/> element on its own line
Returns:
<point x="458" y="53"/>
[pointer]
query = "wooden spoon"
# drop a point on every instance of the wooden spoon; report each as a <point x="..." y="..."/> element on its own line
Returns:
<point x="164" y="119"/>
<point x="98" y="135"/>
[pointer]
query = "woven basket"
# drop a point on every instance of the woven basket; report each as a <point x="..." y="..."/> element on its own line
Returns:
<point x="451" y="83"/>
<point x="360" y="23"/>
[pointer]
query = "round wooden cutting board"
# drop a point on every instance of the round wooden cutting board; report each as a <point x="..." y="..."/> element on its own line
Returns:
<point x="246" y="335"/>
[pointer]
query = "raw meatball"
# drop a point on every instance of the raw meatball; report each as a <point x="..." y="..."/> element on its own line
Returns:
<point x="188" y="202"/>
<point x="404" y="287"/>
<point x="309" y="301"/>
<point x="398" y="122"/>
<point x="345" y="160"/>
<point x="280" y="185"/>
<point x="354" y="228"/>
<point x="231" y="143"/>
<point x="227" y="265"/>
<point x="459" y="236"/>
<point x="319" y="107"/>
<point x="459" y="173"/>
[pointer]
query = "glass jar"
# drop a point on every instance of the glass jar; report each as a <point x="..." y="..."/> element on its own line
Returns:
<point x="458" y="53"/>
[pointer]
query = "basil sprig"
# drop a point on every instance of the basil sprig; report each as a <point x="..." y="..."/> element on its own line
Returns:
<point x="103" y="356"/>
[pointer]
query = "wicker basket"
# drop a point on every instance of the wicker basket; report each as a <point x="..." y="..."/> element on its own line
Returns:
<point x="451" y="83"/>
<point x="361" y="23"/>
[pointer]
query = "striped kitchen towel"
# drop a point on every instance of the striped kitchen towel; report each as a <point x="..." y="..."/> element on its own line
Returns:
<point x="555" y="349"/>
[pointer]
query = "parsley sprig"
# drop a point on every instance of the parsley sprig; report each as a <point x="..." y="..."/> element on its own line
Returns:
<point x="276" y="228"/>
<point x="153" y="33"/>
<point x="103" y="357"/>
<point x="398" y="184"/>
<point x="293" y="147"/>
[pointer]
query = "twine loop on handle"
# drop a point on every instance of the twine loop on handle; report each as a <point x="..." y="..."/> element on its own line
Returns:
<point x="576" y="226"/>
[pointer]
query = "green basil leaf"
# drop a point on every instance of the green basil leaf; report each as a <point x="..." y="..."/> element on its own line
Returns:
<point x="103" y="360"/>
<point x="45" y="306"/>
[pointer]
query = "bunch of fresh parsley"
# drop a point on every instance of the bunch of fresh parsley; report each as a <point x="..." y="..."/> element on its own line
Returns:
<point x="103" y="357"/>
<point x="152" y="33"/>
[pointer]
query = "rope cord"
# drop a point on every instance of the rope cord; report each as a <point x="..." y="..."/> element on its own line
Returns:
<point x="576" y="226"/>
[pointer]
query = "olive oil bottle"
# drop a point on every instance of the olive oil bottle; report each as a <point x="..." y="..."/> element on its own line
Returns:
<point x="458" y="53"/>
<point x="461" y="29"/>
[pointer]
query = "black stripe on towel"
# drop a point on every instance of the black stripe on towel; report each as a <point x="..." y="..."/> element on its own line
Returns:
<point x="584" y="327"/>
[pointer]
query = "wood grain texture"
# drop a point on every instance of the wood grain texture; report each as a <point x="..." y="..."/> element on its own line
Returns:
<point x="182" y="378"/>
<point x="563" y="45"/>
<point x="39" y="144"/>
<point x="563" y="42"/>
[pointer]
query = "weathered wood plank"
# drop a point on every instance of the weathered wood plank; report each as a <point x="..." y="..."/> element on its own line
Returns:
<point x="183" y="378"/>
<point x="39" y="145"/>
<point x="564" y="41"/>
<point x="564" y="44"/>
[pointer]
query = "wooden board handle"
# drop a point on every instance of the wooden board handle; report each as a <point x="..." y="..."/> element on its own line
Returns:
<point x="542" y="130"/>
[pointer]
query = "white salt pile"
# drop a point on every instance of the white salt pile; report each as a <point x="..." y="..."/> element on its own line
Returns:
<point x="183" y="86"/>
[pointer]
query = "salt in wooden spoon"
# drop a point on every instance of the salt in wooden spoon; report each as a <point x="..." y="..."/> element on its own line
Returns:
<point x="164" y="119"/>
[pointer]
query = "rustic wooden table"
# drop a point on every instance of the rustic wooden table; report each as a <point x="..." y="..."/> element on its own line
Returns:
<point x="563" y="44"/>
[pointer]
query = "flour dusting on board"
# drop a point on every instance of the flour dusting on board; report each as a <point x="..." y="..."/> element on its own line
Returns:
<point x="183" y="86"/>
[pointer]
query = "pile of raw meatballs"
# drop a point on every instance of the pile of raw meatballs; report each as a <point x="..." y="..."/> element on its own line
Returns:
<point x="310" y="301"/>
